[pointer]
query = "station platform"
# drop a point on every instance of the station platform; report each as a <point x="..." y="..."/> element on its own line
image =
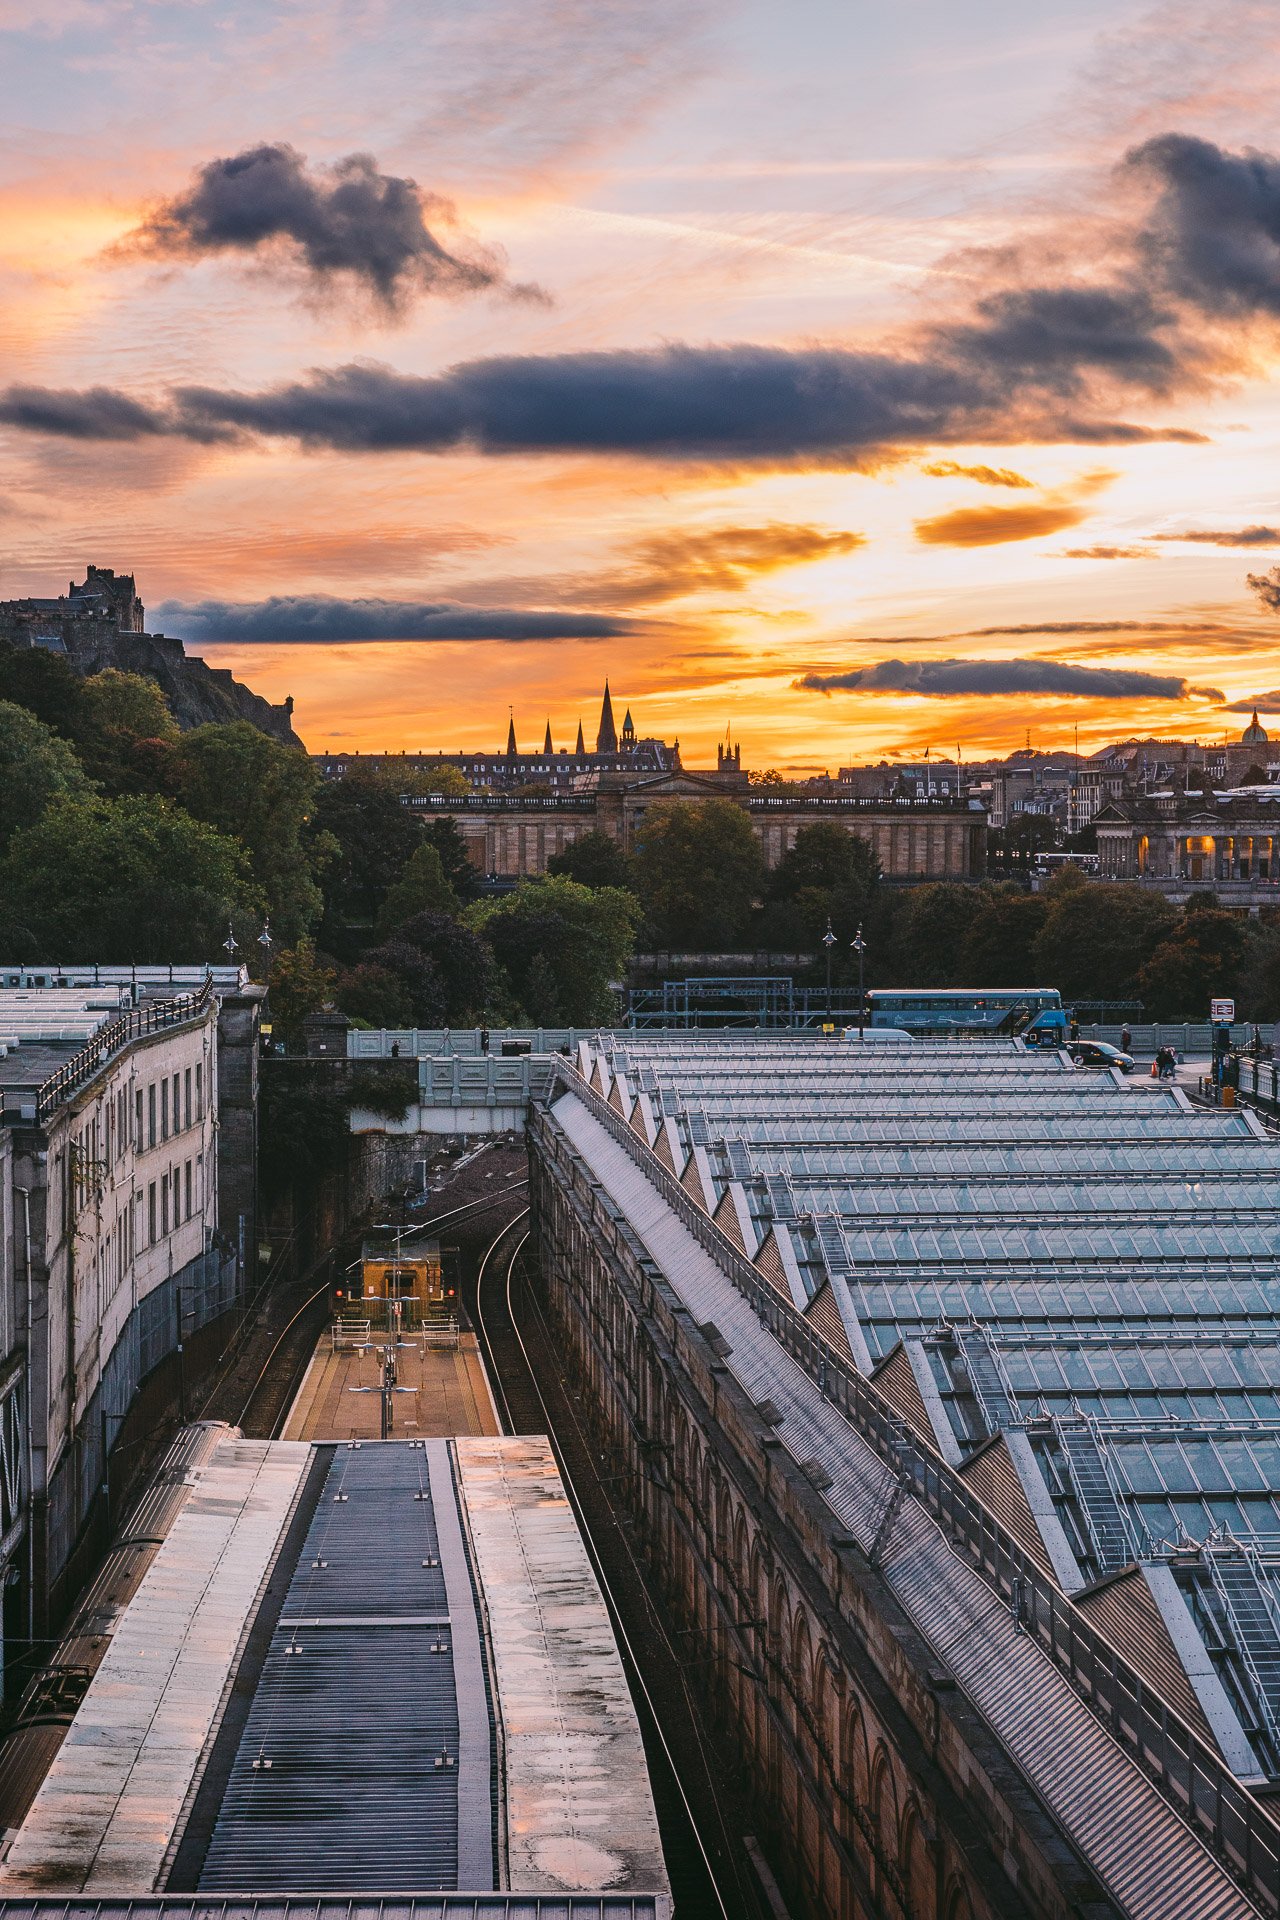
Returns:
<point x="442" y="1394"/>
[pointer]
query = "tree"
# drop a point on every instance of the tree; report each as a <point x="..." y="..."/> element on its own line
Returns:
<point x="698" y="870"/>
<point x="828" y="874"/>
<point x="931" y="929"/>
<point x="1098" y="936"/>
<point x="462" y="961"/>
<point x="422" y="887"/>
<point x="433" y="972"/>
<point x="1204" y="955"/>
<point x="375" y="996"/>
<point x="444" y="778"/>
<point x="129" y="703"/>
<point x="369" y="838"/>
<point x="561" y="946"/>
<point x="459" y="870"/>
<point x="596" y="860"/>
<point x="299" y="985"/>
<point x="245" y="783"/>
<point x="128" y="880"/>
<point x="998" y="949"/>
<point x="44" y="684"/>
<point x="36" y="768"/>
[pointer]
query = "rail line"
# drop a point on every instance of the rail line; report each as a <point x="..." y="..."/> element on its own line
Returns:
<point x="453" y="1213"/>
<point x="629" y="1655"/>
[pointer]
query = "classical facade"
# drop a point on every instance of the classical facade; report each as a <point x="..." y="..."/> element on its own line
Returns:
<point x="513" y="836"/>
<point x="1180" y="843"/>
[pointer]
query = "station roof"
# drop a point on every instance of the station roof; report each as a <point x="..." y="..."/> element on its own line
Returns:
<point x="303" y="1696"/>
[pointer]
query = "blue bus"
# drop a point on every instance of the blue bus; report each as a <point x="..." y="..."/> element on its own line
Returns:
<point x="1004" y="1010"/>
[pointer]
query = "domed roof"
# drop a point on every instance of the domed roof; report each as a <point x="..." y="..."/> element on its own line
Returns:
<point x="1254" y="735"/>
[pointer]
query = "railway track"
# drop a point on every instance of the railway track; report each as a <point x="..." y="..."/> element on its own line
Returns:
<point x="704" y="1846"/>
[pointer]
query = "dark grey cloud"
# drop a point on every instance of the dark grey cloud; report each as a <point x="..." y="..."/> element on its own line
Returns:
<point x="346" y="222"/>
<point x="1027" y="362"/>
<point x="1267" y="588"/>
<point x="320" y="619"/>
<point x="718" y="403"/>
<point x="953" y="678"/>
<point x="1214" y="537"/>
<point x="1212" y="237"/>
<point x="1257" y="703"/>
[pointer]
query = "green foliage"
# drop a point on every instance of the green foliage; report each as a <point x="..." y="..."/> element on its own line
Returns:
<point x="374" y="996"/>
<point x="245" y="783"/>
<point x="300" y="985"/>
<point x="698" y="871"/>
<point x="596" y="860"/>
<point x="133" y="879"/>
<point x="44" y="684"/>
<point x="999" y="947"/>
<point x="385" y="1087"/>
<point x="444" y="778"/>
<point x="931" y="931"/>
<point x="560" y="946"/>
<point x="446" y="837"/>
<point x="828" y="875"/>
<point x="128" y="703"/>
<point x="1205" y="954"/>
<point x="1097" y="937"/>
<point x="369" y="838"/>
<point x="36" y="768"/>
<point x="421" y="888"/>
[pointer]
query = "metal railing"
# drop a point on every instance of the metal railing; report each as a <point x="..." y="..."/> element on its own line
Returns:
<point x="1187" y="1771"/>
<point x="151" y="1017"/>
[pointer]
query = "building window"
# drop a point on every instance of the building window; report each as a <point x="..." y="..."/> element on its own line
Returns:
<point x="199" y="1091"/>
<point x="164" y="1109"/>
<point x="164" y="1204"/>
<point x="151" y="1114"/>
<point x="186" y="1098"/>
<point x="177" y="1103"/>
<point x="186" y="1181"/>
<point x="151" y="1213"/>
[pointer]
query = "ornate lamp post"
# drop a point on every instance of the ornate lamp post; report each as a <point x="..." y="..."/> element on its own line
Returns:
<point x="860" y="947"/>
<point x="828" y="941"/>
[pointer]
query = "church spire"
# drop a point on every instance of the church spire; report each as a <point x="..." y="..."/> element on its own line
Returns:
<point x="582" y="745"/>
<point x="512" y="749"/>
<point x="546" y="745"/>
<point x="607" y="738"/>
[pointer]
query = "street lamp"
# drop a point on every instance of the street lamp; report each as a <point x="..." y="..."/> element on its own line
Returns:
<point x="860" y="947"/>
<point x="231" y="944"/>
<point x="828" y="941"/>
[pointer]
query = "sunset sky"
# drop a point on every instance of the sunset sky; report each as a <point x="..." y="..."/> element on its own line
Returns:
<point x="865" y="378"/>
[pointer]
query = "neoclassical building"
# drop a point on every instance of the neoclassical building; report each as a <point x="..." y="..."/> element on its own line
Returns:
<point x="513" y="835"/>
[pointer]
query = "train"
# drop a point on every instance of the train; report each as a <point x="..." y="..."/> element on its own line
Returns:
<point x="400" y="1276"/>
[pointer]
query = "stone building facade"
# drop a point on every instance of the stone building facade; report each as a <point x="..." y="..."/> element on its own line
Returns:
<point x="514" y="836"/>
<point x="1181" y="843"/>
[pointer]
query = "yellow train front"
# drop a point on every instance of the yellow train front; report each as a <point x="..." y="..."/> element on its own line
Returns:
<point x="404" y="1283"/>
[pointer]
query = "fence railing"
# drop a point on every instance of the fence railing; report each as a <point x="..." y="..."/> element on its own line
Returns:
<point x="1188" y="1772"/>
<point x="151" y="1017"/>
<point x="1261" y="1078"/>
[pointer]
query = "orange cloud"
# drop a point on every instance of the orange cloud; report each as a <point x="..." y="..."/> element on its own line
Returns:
<point x="985" y="476"/>
<point x="994" y="526"/>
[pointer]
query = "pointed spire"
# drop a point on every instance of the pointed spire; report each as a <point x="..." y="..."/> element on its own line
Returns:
<point x="546" y="745"/>
<point x="582" y="745"/>
<point x="607" y="738"/>
<point x="512" y="749"/>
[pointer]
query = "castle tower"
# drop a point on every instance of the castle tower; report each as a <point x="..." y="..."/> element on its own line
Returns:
<point x="607" y="738"/>
<point x="581" y="747"/>
<point x="547" y="747"/>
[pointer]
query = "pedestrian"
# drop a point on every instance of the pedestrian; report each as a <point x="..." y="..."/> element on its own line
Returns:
<point x="1075" y="1028"/>
<point x="1126" y="1039"/>
<point x="484" y="1039"/>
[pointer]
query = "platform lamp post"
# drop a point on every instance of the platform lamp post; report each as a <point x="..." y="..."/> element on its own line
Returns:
<point x="231" y="946"/>
<point x="859" y="946"/>
<point x="828" y="941"/>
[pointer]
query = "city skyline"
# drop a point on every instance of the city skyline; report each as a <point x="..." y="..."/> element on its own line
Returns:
<point x="867" y="384"/>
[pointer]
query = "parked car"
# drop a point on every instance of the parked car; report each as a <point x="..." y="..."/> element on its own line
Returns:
<point x="1097" y="1053"/>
